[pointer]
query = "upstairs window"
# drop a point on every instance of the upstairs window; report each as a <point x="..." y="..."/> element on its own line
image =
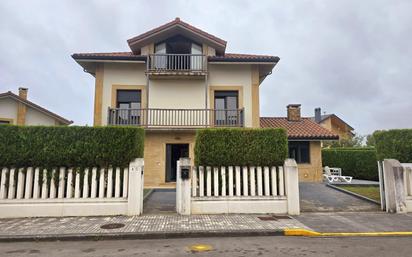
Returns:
<point x="129" y="99"/>
<point x="299" y="150"/>
<point x="226" y="105"/>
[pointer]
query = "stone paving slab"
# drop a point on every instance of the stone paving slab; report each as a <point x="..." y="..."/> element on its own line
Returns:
<point x="357" y="222"/>
<point x="146" y="226"/>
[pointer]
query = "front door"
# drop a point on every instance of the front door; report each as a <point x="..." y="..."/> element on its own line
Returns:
<point x="173" y="153"/>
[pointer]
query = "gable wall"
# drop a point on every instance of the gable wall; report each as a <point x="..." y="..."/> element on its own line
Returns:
<point x="8" y="109"/>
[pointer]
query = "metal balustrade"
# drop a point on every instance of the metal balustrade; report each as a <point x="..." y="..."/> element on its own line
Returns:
<point x="177" y="63"/>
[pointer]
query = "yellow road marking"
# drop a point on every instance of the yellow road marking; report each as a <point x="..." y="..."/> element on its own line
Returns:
<point x="200" y="248"/>
<point x="306" y="232"/>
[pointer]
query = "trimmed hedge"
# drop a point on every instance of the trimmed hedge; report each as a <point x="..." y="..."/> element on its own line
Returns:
<point x="74" y="146"/>
<point x="394" y="144"/>
<point x="360" y="163"/>
<point x="240" y="146"/>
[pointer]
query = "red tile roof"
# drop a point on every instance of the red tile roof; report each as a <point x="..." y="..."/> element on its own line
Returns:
<point x="228" y="57"/>
<point x="10" y="94"/>
<point x="177" y="21"/>
<point x="304" y="129"/>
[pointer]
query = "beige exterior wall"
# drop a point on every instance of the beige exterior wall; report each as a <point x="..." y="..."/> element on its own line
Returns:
<point x="312" y="172"/>
<point x="337" y="127"/>
<point x="155" y="154"/>
<point x="8" y="110"/>
<point x="120" y="74"/>
<point x="234" y="75"/>
<point x="177" y="94"/>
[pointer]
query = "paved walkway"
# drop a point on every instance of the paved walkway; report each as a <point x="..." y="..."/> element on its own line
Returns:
<point x="160" y="201"/>
<point x="146" y="226"/>
<point x="357" y="222"/>
<point x="317" y="197"/>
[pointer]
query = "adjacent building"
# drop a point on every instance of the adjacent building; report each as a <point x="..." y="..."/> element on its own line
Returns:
<point x="18" y="110"/>
<point x="334" y="123"/>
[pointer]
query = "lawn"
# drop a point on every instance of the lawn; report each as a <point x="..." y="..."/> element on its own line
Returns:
<point x="371" y="192"/>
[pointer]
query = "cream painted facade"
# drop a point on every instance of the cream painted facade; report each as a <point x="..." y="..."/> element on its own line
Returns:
<point x="9" y="112"/>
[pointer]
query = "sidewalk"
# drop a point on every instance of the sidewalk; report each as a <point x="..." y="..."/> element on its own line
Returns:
<point x="146" y="226"/>
<point x="356" y="222"/>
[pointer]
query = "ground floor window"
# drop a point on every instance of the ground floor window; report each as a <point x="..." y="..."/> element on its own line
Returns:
<point x="4" y="121"/>
<point x="299" y="150"/>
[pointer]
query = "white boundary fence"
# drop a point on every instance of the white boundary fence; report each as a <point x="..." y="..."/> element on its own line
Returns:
<point x="396" y="186"/>
<point x="234" y="189"/>
<point x="31" y="193"/>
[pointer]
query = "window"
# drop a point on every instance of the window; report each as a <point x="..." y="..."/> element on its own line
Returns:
<point x="226" y="108"/>
<point x="4" y="122"/>
<point x="299" y="150"/>
<point x="129" y="104"/>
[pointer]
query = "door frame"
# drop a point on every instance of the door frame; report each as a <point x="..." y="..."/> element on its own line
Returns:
<point x="167" y="158"/>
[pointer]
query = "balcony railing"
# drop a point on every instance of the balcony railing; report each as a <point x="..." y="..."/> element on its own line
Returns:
<point x="178" y="118"/>
<point x="163" y="63"/>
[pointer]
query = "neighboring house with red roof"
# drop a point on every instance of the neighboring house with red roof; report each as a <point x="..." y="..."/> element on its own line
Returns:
<point x="305" y="137"/>
<point x="334" y="123"/>
<point x="17" y="110"/>
<point x="175" y="78"/>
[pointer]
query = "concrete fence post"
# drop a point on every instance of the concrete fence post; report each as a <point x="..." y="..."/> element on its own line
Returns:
<point x="292" y="186"/>
<point x="395" y="195"/>
<point x="183" y="186"/>
<point x="136" y="183"/>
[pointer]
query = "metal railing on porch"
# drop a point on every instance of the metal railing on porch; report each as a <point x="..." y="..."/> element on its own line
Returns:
<point x="154" y="117"/>
<point x="177" y="62"/>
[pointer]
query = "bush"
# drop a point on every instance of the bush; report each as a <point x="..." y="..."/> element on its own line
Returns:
<point x="360" y="163"/>
<point x="240" y="146"/>
<point x="74" y="146"/>
<point x="394" y="144"/>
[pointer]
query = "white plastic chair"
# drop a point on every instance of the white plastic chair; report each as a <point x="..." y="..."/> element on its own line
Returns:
<point x="335" y="175"/>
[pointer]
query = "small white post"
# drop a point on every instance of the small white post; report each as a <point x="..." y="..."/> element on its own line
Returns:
<point x="208" y="181"/>
<point x="29" y="183"/>
<point x="201" y="181"/>
<point x="281" y="182"/>
<point x="395" y="191"/>
<point x="267" y="182"/>
<point x="125" y="182"/>
<point x="53" y="184"/>
<point x="3" y="183"/>
<point x="117" y="184"/>
<point x="12" y="186"/>
<point x="252" y="181"/>
<point x="44" y="188"/>
<point x="69" y="187"/>
<point x="93" y="189"/>
<point x="20" y="183"/>
<point x="194" y="182"/>
<point x="223" y="174"/>
<point x="216" y="181"/>
<point x="109" y="183"/>
<point x="238" y="191"/>
<point x="259" y="181"/>
<point x="245" y="182"/>
<point x="60" y="193"/>
<point x="77" y="185"/>
<point x="230" y="185"/>
<point x="292" y="186"/>
<point x="183" y="197"/>
<point x="101" y="183"/>
<point x="274" y="181"/>
<point x="36" y="189"/>
<point x="135" y="194"/>
<point x="85" y="193"/>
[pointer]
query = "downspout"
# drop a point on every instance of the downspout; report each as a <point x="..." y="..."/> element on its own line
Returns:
<point x="206" y="87"/>
<point x="147" y="89"/>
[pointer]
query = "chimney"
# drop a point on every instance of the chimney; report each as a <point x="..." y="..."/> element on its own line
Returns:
<point x="318" y="115"/>
<point x="23" y="92"/>
<point x="293" y="112"/>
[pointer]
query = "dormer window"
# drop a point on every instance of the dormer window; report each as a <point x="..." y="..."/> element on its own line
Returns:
<point x="178" y="45"/>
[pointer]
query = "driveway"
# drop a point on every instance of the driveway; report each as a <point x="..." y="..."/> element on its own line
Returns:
<point x="160" y="201"/>
<point x="317" y="197"/>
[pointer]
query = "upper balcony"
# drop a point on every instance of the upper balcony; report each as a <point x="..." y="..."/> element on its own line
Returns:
<point x="154" y="118"/>
<point x="177" y="65"/>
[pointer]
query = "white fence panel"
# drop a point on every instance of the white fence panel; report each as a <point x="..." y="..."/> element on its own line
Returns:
<point x="35" y="192"/>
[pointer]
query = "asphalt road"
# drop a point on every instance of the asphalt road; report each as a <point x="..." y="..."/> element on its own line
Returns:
<point x="244" y="247"/>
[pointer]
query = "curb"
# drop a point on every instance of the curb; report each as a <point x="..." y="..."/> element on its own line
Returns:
<point x="311" y="233"/>
<point x="353" y="194"/>
<point x="150" y="235"/>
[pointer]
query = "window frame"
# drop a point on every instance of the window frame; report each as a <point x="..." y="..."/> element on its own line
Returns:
<point x="299" y="147"/>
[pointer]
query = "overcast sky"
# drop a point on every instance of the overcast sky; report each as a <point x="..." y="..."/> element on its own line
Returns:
<point x="349" y="57"/>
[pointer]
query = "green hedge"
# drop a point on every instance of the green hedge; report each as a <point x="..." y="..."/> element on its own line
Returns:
<point x="240" y="146"/>
<point x="360" y="163"/>
<point x="74" y="146"/>
<point x="394" y="144"/>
